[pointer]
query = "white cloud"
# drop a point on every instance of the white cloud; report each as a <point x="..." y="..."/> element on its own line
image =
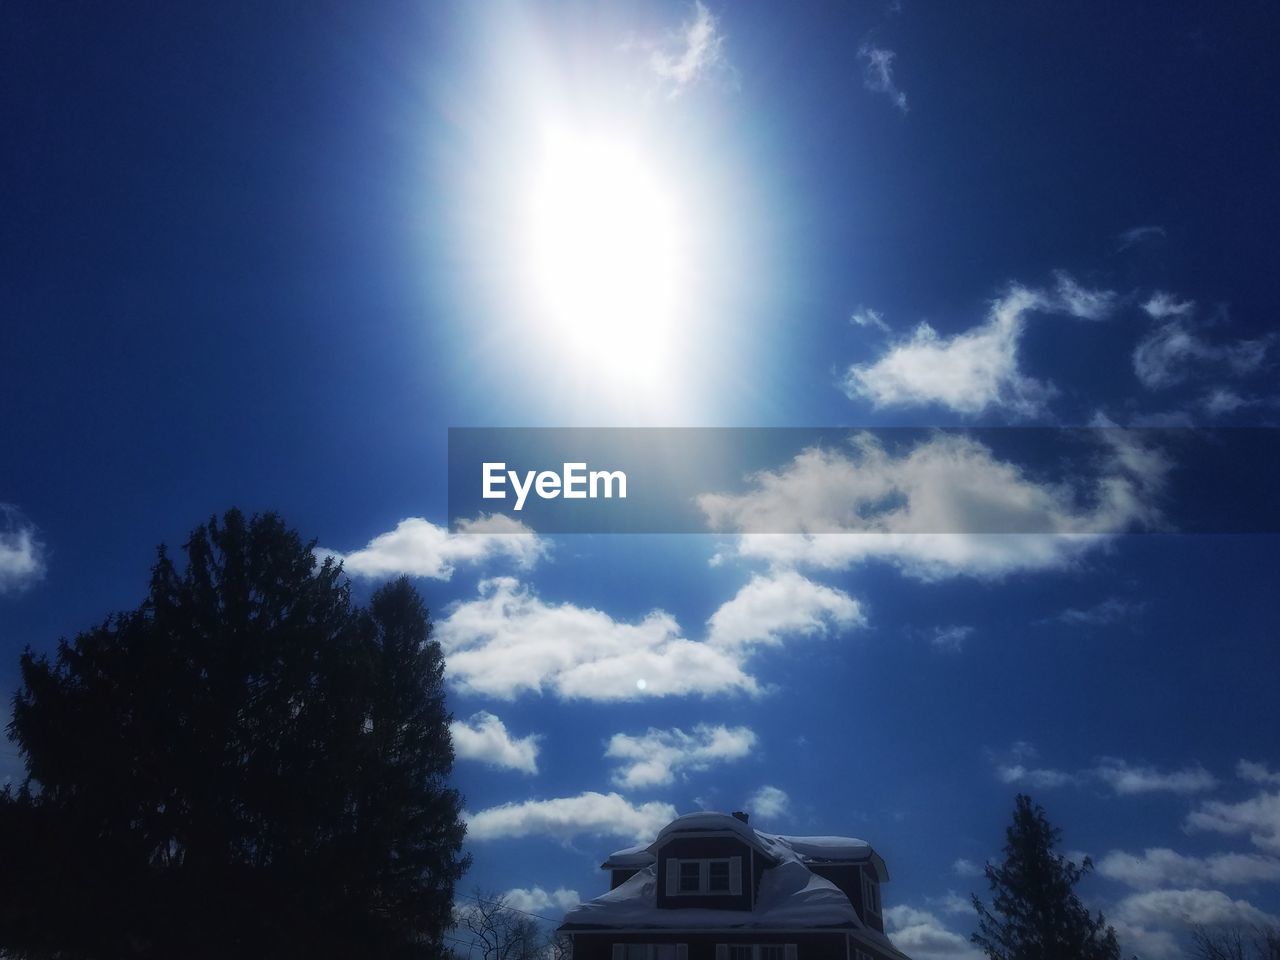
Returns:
<point x="866" y="317"/>
<point x="878" y="76"/>
<point x="769" y="803"/>
<point x="1191" y="907"/>
<point x="946" y="507"/>
<point x="951" y="639"/>
<point x="1081" y="302"/>
<point x="1136" y="236"/>
<point x="485" y="737"/>
<point x="1162" y="867"/>
<point x="539" y="902"/>
<point x="966" y="868"/>
<point x="419" y="548"/>
<point x="1110" y="610"/>
<point x="1161" y="306"/>
<point x="1257" y="773"/>
<point x="970" y="372"/>
<point x="1174" y="351"/>
<point x="779" y="605"/>
<point x="509" y="641"/>
<point x="22" y="554"/>
<point x="655" y="757"/>
<point x="695" y="51"/>
<point x="922" y="936"/>
<point x="1127" y="780"/>
<point x="1016" y="767"/>
<point x="1259" y="817"/>
<point x="563" y="818"/>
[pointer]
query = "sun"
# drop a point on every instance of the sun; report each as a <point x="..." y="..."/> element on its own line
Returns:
<point x="604" y="254"/>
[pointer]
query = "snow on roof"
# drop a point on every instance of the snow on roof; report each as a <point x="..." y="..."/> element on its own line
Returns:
<point x="828" y="848"/>
<point x="790" y="896"/>
<point x="637" y="856"/>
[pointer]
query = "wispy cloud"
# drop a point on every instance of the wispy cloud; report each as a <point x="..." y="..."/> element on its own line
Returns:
<point x="1018" y="767"/>
<point x="1081" y="302"/>
<point x="1257" y="773"/>
<point x="1258" y="817"/>
<point x="691" y="53"/>
<point x="508" y="641"/>
<point x="655" y="757"/>
<point x="22" y="554"/>
<point x="420" y="548"/>
<point x="1176" y="350"/>
<point x="1108" y="611"/>
<point x="563" y="818"/>
<point x="930" y="510"/>
<point x="1136" y="236"/>
<point x="1162" y="867"/>
<point x="485" y="737"/>
<point x="769" y="803"/>
<point x="878" y="74"/>
<point x="922" y="935"/>
<point x="971" y="372"/>
<point x="950" y="639"/>
<point x="1189" y="907"/>
<point x="540" y="902"/>
<point x="1128" y="779"/>
<point x="866" y="317"/>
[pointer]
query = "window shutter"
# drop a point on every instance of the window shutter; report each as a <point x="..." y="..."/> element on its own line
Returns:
<point x="735" y="876"/>
<point x="682" y="951"/>
<point x="722" y="951"/>
<point x="790" y="951"/>
<point x="619" y="951"/>
<point x="673" y="876"/>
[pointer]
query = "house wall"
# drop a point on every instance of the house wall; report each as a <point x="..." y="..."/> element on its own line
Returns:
<point x="701" y="848"/>
<point x="702" y="946"/>
<point x="618" y="877"/>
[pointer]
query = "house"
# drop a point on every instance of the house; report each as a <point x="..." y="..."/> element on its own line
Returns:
<point x="711" y="887"/>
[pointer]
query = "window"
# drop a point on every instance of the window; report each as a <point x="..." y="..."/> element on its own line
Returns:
<point x="870" y="895"/>
<point x="863" y="955"/>
<point x="690" y="878"/>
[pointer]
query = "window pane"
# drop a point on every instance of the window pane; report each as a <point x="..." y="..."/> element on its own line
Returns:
<point x="719" y="875"/>
<point x="690" y="876"/>
<point x="772" y="951"/>
<point x="665" y="951"/>
<point x="739" y="952"/>
<point x="637" y="951"/>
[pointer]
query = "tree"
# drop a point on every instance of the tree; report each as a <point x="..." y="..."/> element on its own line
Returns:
<point x="500" y="931"/>
<point x="1035" y="913"/>
<point x="247" y="765"/>
<point x="1235" y="943"/>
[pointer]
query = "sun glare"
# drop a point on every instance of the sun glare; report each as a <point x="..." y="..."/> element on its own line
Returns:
<point x="605" y="254"/>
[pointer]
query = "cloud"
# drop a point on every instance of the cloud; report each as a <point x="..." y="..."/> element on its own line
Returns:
<point x="945" y="507"/>
<point x="22" y="554"/>
<point x="589" y="814"/>
<point x="1128" y="780"/>
<point x="866" y="317"/>
<point x="1162" y="867"/>
<point x="769" y="803"/>
<point x="1174" y="351"/>
<point x="1257" y="773"/>
<point x="655" y="757"/>
<point x="878" y="76"/>
<point x="1137" y="236"/>
<point x="779" y="605"/>
<point x="1258" y="816"/>
<point x="921" y="935"/>
<point x="1192" y="907"/>
<point x="485" y="737"/>
<point x="966" y="868"/>
<point x="1110" y="610"/>
<point x="509" y="641"/>
<point x="950" y="639"/>
<point x="539" y="902"/>
<point x="1015" y="766"/>
<point x="970" y="372"/>
<point x="419" y="548"/>
<point x="695" y="51"/>
<point x="1080" y="302"/>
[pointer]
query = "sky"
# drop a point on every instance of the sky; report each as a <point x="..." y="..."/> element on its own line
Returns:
<point x="267" y="255"/>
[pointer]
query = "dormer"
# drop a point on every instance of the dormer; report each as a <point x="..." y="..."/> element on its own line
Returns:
<point x="709" y="861"/>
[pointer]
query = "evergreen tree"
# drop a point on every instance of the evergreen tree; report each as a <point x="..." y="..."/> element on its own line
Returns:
<point x="1035" y="913"/>
<point x="248" y="765"/>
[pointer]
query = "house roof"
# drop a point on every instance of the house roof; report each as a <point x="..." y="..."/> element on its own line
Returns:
<point x="774" y="846"/>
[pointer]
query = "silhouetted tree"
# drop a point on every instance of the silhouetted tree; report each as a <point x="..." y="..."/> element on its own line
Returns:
<point x="1235" y="943"/>
<point x="499" y="931"/>
<point x="1035" y="913"/>
<point x="248" y="765"/>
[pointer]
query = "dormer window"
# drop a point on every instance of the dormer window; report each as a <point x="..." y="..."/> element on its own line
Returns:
<point x="704" y="877"/>
<point x="870" y="895"/>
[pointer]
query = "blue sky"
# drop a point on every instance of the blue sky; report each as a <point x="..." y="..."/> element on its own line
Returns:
<point x="266" y="256"/>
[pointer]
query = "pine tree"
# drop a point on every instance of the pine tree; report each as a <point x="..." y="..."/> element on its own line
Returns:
<point x="248" y="765"/>
<point x="1035" y="913"/>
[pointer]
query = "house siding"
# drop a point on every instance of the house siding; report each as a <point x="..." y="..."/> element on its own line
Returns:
<point x="702" y="945"/>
